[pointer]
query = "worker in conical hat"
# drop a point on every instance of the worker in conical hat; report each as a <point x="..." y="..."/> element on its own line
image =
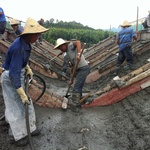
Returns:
<point x="124" y="40"/>
<point x="16" y="68"/>
<point x="15" y="24"/>
<point x="73" y="52"/>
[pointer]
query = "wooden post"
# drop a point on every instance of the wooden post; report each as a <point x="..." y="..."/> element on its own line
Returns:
<point x="137" y="19"/>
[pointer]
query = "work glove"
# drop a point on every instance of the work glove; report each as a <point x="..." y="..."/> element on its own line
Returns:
<point x="23" y="95"/>
<point x="29" y="71"/>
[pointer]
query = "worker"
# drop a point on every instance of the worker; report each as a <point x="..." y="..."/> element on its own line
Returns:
<point x="12" y="82"/>
<point x="2" y="23"/>
<point x="124" y="40"/>
<point x="146" y="23"/>
<point x="73" y="51"/>
<point x="15" y="24"/>
<point x="41" y="22"/>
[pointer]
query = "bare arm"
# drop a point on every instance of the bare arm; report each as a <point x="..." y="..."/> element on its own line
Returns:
<point x="78" y="47"/>
<point x="136" y="36"/>
<point x="117" y="41"/>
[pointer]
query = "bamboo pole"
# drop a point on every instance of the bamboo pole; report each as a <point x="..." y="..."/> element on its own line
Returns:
<point x="137" y="19"/>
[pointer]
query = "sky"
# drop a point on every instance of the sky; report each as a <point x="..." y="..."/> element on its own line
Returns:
<point x="98" y="14"/>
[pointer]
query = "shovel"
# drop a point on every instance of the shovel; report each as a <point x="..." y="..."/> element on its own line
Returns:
<point x="65" y="101"/>
<point x="55" y="57"/>
<point x="49" y="66"/>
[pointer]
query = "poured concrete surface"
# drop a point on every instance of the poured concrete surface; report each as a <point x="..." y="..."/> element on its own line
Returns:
<point x="121" y="126"/>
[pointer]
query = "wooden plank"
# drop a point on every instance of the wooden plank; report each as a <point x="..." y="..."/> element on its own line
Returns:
<point x="136" y="78"/>
<point x="95" y="75"/>
<point x="49" y="99"/>
<point x="145" y="85"/>
<point x="116" y="94"/>
<point x="136" y="72"/>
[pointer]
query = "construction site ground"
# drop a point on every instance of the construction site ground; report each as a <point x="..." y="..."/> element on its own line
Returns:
<point x="121" y="126"/>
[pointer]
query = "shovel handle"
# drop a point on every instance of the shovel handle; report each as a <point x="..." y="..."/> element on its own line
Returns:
<point x="56" y="56"/>
<point x="85" y="97"/>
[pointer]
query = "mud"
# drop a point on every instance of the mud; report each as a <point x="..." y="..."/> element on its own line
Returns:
<point x="121" y="126"/>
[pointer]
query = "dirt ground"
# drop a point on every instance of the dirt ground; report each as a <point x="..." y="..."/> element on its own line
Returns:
<point x="121" y="126"/>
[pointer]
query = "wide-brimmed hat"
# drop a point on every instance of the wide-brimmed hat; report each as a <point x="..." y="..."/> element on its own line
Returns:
<point x="59" y="42"/>
<point x="14" y="22"/>
<point x="32" y="26"/>
<point x="126" y="24"/>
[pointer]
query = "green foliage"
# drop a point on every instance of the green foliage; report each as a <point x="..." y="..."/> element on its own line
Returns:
<point x="73" y="30"/>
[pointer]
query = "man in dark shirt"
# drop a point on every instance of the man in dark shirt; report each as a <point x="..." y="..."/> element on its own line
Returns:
<point x="12" y="82"/>
<point x="15" y="24"/>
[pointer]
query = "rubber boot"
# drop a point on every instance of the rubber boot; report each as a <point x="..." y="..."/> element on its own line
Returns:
<point x="117" y="70"/>
<point x="128" y="66"/>
<point x="75" y="105"/>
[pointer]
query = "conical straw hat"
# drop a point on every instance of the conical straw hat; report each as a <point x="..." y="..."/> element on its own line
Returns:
<point x="32" y="26"/>
<point x="14" y="21"/>
<point x="125" y="24"/>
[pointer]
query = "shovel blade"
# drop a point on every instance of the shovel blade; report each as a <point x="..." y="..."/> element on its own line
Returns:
<point x="65" y="103"/>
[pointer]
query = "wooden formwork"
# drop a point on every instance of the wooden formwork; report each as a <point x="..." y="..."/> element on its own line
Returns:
<point x="102" y="60"/>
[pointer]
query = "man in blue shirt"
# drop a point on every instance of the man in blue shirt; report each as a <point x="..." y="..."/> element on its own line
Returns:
<point x="12" y="82"/>
<point x="124" y="40"/>
<point x="2" y="23"/>
<point x="15" y="24"/>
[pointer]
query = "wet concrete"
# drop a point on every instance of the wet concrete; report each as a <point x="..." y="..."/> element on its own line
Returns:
<point x="121" y="126"/>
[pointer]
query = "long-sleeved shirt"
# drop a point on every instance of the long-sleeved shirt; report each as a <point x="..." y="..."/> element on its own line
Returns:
<point x="16" y="59"/>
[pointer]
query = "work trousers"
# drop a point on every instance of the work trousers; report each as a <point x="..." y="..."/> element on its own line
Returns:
<point x="125" y="53"/>
<point x="81" y="75"/>
<point x="15" y="109"/>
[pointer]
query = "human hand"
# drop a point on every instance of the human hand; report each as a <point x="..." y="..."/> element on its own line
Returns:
<point x="23" y="95"/>
<point x="29" y="71"/>
<point x="70" y="82"/>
